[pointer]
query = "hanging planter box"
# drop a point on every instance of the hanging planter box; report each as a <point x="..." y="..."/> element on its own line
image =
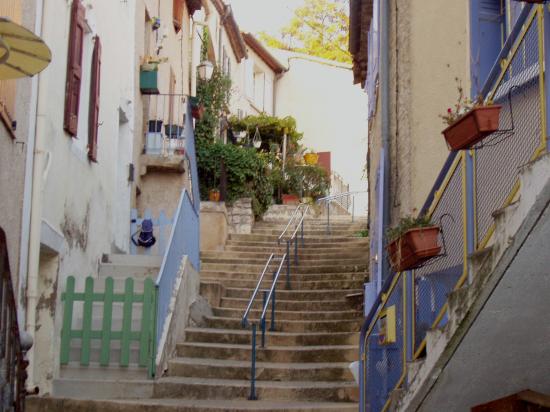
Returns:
<point x="471" y="128"/>
<point x="148" y="82"/>
<point x="311" y="159"/>
<point x="414" y="247"/>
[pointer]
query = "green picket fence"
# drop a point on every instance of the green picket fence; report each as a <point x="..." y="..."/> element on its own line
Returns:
<point x="129" y="299"/>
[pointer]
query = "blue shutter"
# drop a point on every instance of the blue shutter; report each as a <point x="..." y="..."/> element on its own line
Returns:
<point x="487" y="18"/>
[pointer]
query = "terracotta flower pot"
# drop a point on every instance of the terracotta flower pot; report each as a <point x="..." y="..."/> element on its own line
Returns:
<point x="214" y="195"/>
<point x="471" y="128"/>
<point x="290" y="199"/>
<point x="413" y="248"/>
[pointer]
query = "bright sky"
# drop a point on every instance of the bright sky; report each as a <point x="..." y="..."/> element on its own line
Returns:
<point x="263" y="15"/>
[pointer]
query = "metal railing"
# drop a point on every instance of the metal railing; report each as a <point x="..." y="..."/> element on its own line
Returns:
<point x="13" y="348"/>
<point x="296" y="225"/>
<point x="165" y="121"/>
<point x="472" y="185"/>
<point x="184" y="237"/>
<point x="345" y="201"/>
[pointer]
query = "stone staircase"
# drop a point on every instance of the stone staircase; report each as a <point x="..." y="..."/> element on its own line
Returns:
<point x="304" y="366"/>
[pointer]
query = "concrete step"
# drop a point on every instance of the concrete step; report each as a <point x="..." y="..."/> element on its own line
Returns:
<point x="289" y="315"/>
<point x="265" y="371"/>
<point x="304" y="261"/>
<point x="308" y="232"/>
<point x="308" y="239"/>
<point x="136" y="260"/>
<point x="193" y="388"/>
<point x="256" y="245"/>
<point x="300" y="269"/>
<point x="300" y="305"/>
<point x="357" y="253"/>
<point x="298" y="277"/>
<point x="299" y="295"/>
<point x="295" y="284"/>
<point x="271" y="353"/>
<point x="243" y="337"/>
<point x="48" y="404"/>
<point x="268" y="248"/>
<point x="281" y="325"/>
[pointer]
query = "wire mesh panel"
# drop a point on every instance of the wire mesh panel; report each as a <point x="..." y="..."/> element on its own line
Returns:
<point x="385" y="360"/>
<point x="437" y="279"/>
<point x="498" y="159"/>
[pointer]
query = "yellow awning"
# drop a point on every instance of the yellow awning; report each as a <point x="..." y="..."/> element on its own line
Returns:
<point x="22" y="53"/>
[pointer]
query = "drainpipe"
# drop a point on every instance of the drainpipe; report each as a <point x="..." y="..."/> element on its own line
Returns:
<point x="385" y="112"/>
<point x="27" y="193"/>
<point x="38" y="179"/>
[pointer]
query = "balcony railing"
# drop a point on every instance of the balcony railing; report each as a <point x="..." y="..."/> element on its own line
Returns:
<point x="12" y="354"/>
<point x="471" y="186"/>
<point x="165" y="119"/>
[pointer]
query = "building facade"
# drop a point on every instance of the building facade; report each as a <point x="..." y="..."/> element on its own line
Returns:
<point x="425" y="321"/>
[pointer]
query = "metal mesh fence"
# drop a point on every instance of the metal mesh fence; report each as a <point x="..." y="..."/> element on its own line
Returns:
<point x="385" y="362"/>
<point x="498" y="160"/>
<point x="435" y="281"/>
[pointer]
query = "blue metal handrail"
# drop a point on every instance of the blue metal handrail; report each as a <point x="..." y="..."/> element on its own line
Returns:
<point x="294" y="214"/>
<point x="267" y="298"/>
<point x="244" y="321"/>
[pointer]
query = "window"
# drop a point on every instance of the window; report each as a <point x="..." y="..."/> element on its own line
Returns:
<point x="95" y="83"/>
<point x="12" y="10"/>
<point x="74" y="68"/>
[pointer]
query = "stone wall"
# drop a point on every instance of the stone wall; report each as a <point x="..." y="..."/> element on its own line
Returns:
<point x="241" y="216"/>
<point x="215" y="225"/>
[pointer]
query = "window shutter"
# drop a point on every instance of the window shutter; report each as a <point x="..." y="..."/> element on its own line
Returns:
<point x="93" y="120"/>
<point x="74" y="68"/>
<point x="178" y="14"/>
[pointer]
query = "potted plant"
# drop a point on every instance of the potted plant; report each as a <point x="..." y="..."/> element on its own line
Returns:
<point x="311" y="158"/>
<point x="148" y="76"/>
<point x="469" y="121"/>
<point x="412" y="242"/>
<point x="214" y="195"/>
<point x="155" y="22"/>
<point x="197" y="108"/>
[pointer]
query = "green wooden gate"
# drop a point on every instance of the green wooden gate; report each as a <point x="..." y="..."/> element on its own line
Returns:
<point x="129" y="299"/>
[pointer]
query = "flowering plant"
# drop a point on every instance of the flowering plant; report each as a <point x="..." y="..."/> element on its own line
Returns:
<point x="462" y="106"/>
<point x="151" y="63"/>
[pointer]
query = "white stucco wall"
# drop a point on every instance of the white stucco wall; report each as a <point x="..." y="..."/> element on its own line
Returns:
<point x="329" y="110"/>
<point x="86" y="204"/>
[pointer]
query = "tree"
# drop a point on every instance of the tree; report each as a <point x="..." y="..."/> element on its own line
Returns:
<point x="319" y="28"/>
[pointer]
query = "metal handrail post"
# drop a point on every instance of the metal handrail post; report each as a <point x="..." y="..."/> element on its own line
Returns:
<point x="328" y="217"/>
<point x="262" y="320"/>
<point x="288" y="264"/>
<point x="272" y="328"/>
<point x="253" y="396"/>
<point x="303" y="242"/>
<point x="352" y="209"/>
<point x="295" y="252"/>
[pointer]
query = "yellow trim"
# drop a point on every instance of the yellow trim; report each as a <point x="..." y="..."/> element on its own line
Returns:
<point x="512" y="53"/>
<point x="542" y="78"/>
<point x="420" y="349"/>
<point x="439" y="193"/>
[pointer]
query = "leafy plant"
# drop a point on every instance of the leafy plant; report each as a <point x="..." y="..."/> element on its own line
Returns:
<point x="363" y="233"/>
<point x="272" y="130"/>
<point x="462" y="106"/>
<point x="305" y="180"/>
<point x="406" y="223"/>
<point x="247" y="170"/>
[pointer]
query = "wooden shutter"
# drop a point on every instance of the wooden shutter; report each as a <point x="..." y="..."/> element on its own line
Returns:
<point x="95" y="83"/>
<point x="178" y="14"/>
<point x="74" y="68"/>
